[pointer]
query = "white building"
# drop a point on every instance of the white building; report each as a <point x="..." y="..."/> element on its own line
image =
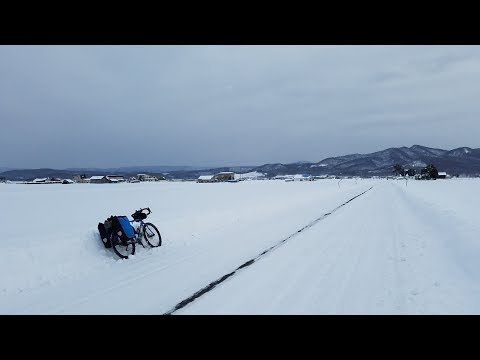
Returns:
<point x="300" y="177"/>
<point x="146" y="177"/>
<point x="98" y="179"/>
<point x="206" y="179"/>
<point x="49" y="180"/>
<point x="224" y="176"/>
<point x="115" y="178"/>
<point x="254" y="175"/>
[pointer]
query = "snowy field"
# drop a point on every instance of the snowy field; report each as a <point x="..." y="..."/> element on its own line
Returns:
<point x="400" y="248"/>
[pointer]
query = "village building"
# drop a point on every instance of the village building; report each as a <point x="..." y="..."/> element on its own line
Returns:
<point x="250" y="176"/>
<point x="224" y="176"/>
<point x="47" y="180"/>
<point x="80" y="178"/>
<point x="115" y="178"/>
<point x="100" y="179"/>
<point x="146" y="177"/>
<point x="205" y="179"/>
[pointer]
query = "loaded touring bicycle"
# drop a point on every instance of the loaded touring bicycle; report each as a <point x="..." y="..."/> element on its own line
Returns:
<point x="122" y="234"/>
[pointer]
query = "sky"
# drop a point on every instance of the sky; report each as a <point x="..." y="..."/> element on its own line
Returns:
<point x="217" y="105"/>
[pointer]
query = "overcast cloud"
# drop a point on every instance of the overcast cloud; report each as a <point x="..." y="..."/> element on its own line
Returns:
<point x="108" y="106"/>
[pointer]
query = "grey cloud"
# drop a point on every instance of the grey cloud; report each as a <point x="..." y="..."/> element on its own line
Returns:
<point x="388" y="76"/>
<point x="64" y="106"/>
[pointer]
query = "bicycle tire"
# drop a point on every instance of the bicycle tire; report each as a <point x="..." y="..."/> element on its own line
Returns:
<point x="148" y="236"/>
<point x="121" y="250"/>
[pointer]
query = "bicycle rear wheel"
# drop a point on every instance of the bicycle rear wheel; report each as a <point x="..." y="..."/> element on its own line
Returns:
<point x="152" y="235"/>
<point x="122" y="250"/>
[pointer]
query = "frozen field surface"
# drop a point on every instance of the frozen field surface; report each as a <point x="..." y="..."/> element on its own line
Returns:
<point x="397" y="249"/>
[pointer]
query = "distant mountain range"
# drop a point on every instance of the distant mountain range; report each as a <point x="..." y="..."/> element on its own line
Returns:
<point x="463" y="161"/>
<point x="135" y="169"/>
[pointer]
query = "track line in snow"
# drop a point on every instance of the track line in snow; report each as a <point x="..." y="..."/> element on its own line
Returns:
<point x="212" y="285"/>
<point x="122" y="282"/>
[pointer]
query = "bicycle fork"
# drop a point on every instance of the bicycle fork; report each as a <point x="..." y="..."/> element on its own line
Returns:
<point x="139" y="236"/>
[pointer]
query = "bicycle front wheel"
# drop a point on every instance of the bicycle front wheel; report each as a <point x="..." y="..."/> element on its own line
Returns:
<point x="122" y="250"/>
<point x="152" y="235"/>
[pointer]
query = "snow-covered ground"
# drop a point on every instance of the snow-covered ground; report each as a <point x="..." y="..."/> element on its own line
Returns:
<point x="400" y="248"/>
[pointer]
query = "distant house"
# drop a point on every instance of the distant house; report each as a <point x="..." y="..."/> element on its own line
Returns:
<point x="99" y="180"/>
<point x="40" y="180"/>
<point x="80" y="178"/>
<point x="47" y="180"/>
<point x="67" y="181"/>
<point x="146" y="177"/>
<point x="442" y="175"/>
<point x="205" y="179"/>
<point x="250" y="176"/>
<point x="224" y="176"/>
<point x="284" y="177"/>
<point x="303" y="177"/>
<point x="115" y="178"/>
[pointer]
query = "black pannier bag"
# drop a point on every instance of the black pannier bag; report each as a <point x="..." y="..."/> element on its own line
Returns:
<point x="122" y="227"/>
<point x="103" y="229"/>
<point x="139" y="215"/>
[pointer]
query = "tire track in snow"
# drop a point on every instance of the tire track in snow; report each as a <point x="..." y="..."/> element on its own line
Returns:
<point x="212" y="285"/>
<point x="133" y="277"/>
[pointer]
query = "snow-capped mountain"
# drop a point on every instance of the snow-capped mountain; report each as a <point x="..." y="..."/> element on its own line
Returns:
<point x="462" y="160"/>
